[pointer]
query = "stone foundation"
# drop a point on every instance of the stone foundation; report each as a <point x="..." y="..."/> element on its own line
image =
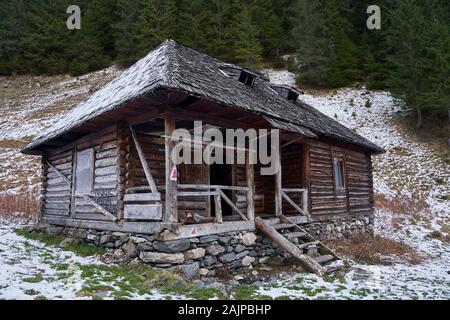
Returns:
<point x="208" y="254"/>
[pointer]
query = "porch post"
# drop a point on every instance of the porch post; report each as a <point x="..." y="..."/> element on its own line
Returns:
<point x="250" y="176"/>
<point x="171" y="210"/>
<point x="278" y="183"/>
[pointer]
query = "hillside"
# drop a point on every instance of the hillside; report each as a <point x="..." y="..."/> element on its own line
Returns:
<point x="411" y="180"/>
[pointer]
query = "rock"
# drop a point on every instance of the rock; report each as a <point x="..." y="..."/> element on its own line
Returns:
<point x="194" y="240"/>
<point x="200" y="283"/>
<point x="130" y="249"/>
<point x="138" y="240"/>
<point x="146" y="246"/>
<point x="230" y="249"/>
<point x="228" y="258"/>
<point x="38" y="227"/>
<point x="172" y="246"/>
<point x="203" y="272"/>
<point x="54" y="230"/>
<point x="190" y="271"/>
<point x="209" y="261"/>
<point x="264" y="260"/>
<point x="159" y="257"/>
<point x="249" y="239"/>
<point x="215" y="249"/>
<point x="91" y="237"/>
<point x="224" y="239"/>
<point x="239" y="248"/>
<point x="253" y="253"/>
<point x="218" y="286"/>
<point x="118" y="253"/>
<point x="247" y="261"/>
<point x="67" y="242"/>
<point x="105" y="238"/>
<point x="194" y="254"/>
<point x="119" y="234"/>
<point x="208" y="239"/>
<point x="242" y="254"/>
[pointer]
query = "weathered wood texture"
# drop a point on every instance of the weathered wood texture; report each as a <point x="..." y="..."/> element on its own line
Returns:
<point x="324" y="198"/>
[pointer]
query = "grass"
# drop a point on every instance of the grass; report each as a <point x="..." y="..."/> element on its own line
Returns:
<point x="376" y="249"/>
<point x="122" y="281"/>
<point x="82" y="249"/>
<point x="26" y="205"/>
<point x="34" y="279"/>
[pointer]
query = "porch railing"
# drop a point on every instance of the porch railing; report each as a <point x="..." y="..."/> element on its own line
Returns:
<point x="303" y="210"/>
<point x="216" y="191"/>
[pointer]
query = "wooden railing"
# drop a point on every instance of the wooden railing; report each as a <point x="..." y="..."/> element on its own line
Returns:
<point x="217" y="192"/>
<point x="304" y="194"/>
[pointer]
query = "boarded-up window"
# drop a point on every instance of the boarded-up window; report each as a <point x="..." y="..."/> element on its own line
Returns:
<point x="84" y="175"/>
<point x="339" y="173"/>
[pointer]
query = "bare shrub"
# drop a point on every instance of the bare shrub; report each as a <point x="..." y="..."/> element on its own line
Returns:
<point x="19" y="207"/>
<point x="402" y="205"/>
<point x="377" y="250"/>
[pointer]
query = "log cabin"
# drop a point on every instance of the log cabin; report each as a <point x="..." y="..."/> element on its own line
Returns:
<point x="106" y="164"/>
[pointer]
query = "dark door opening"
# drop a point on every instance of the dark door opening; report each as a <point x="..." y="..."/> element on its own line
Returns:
<point x="220" y="174"/>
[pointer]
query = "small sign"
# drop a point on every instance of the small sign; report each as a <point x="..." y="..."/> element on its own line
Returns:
<point x="194" y="232"/>
<point x="173" y="174"/>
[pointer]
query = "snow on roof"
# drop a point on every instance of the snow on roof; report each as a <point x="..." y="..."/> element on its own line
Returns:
<point x="177" y="67"/>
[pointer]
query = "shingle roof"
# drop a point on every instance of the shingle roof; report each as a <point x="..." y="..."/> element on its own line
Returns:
<point x="181" y="68"/>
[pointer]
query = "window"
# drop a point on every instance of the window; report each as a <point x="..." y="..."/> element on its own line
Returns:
<point x="339" y="173"/>
<point x="293" y="96"/>
<point x="246" y="78"/>
<point x="84" y="173"/>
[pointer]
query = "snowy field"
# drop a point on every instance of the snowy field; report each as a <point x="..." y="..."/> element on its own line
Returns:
<point x="409" y="170"/>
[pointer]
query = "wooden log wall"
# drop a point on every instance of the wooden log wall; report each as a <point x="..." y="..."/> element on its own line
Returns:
<point x="292" y="174"/>
<point x="154" y="151"/>
<point x="106" y="177"/>
<point x="193" y="174"/>
<point x="324" y="199"/>
<point x="57" y="193"/>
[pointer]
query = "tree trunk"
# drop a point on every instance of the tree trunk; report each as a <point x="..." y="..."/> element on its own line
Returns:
<point x="419" y="119"/>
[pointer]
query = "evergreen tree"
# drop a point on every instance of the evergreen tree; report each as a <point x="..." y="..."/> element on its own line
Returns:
<point x="123" y="30"/>
<point x="156" y="23"/>
<point x="268" y="24"/>
<point x="308" y="35"/>
<point x="243" y="35"/>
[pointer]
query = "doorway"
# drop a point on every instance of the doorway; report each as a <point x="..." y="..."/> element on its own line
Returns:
<point x="220" y="174"/>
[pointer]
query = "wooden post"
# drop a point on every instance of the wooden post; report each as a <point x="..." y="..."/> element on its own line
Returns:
<point x="250" y="176"/>
<point x="306" y="177"/>
<point x="284" y="243"/>
<point x="218" y="206"/>
<point x="171" y="212"/>
<point x="44" y="184"/>
<point x="305" y="202"/>
<point x="123" y="149"/>
<point x="278" y="182"/>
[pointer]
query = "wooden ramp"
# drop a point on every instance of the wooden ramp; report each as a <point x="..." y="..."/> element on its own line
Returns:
<point x="311" y="253"/>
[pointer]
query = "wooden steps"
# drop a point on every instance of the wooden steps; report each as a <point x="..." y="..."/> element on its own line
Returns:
<point x="312" y="254"/>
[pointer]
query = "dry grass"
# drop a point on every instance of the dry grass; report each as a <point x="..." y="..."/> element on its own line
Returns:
<point x="19" y="207"/>
<point x="402" y="205"/>
<point x="377" y="250"/>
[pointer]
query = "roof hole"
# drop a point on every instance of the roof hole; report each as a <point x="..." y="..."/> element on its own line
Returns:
<point x="246" y="78"/>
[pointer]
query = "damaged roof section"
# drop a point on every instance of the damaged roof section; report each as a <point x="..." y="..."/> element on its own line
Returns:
<point x="176" y="67"/>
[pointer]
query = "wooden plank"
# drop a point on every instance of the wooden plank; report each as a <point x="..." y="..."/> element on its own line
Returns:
<point x="130" y="197"/>
<point x="143" y="211"/>
<point x="171" y="214"/>
<point x="292" y="203"/>
<point x="250" y="178"/>
<point x="278" y="183"/>
<point x="100" y="209"/>
<point x="148" y="175"/>
<point x="289" y="247"/>
<point x="218" y="206"/>
<point x="232" y="205"/>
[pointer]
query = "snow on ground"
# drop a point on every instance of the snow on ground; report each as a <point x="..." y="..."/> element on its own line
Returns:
<point x="30" y="269"/>
<point x="408" y="170"/>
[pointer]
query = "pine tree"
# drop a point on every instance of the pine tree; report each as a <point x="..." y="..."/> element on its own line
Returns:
<point x="243" y="36"/>
<point x="268" y="24"/>
<point x="308" y="36"/>
<point x="156" y="23"/>
<point x="123" y="30"/>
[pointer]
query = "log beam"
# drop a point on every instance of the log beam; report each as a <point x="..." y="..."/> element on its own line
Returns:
<point x="171" y="212"/>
